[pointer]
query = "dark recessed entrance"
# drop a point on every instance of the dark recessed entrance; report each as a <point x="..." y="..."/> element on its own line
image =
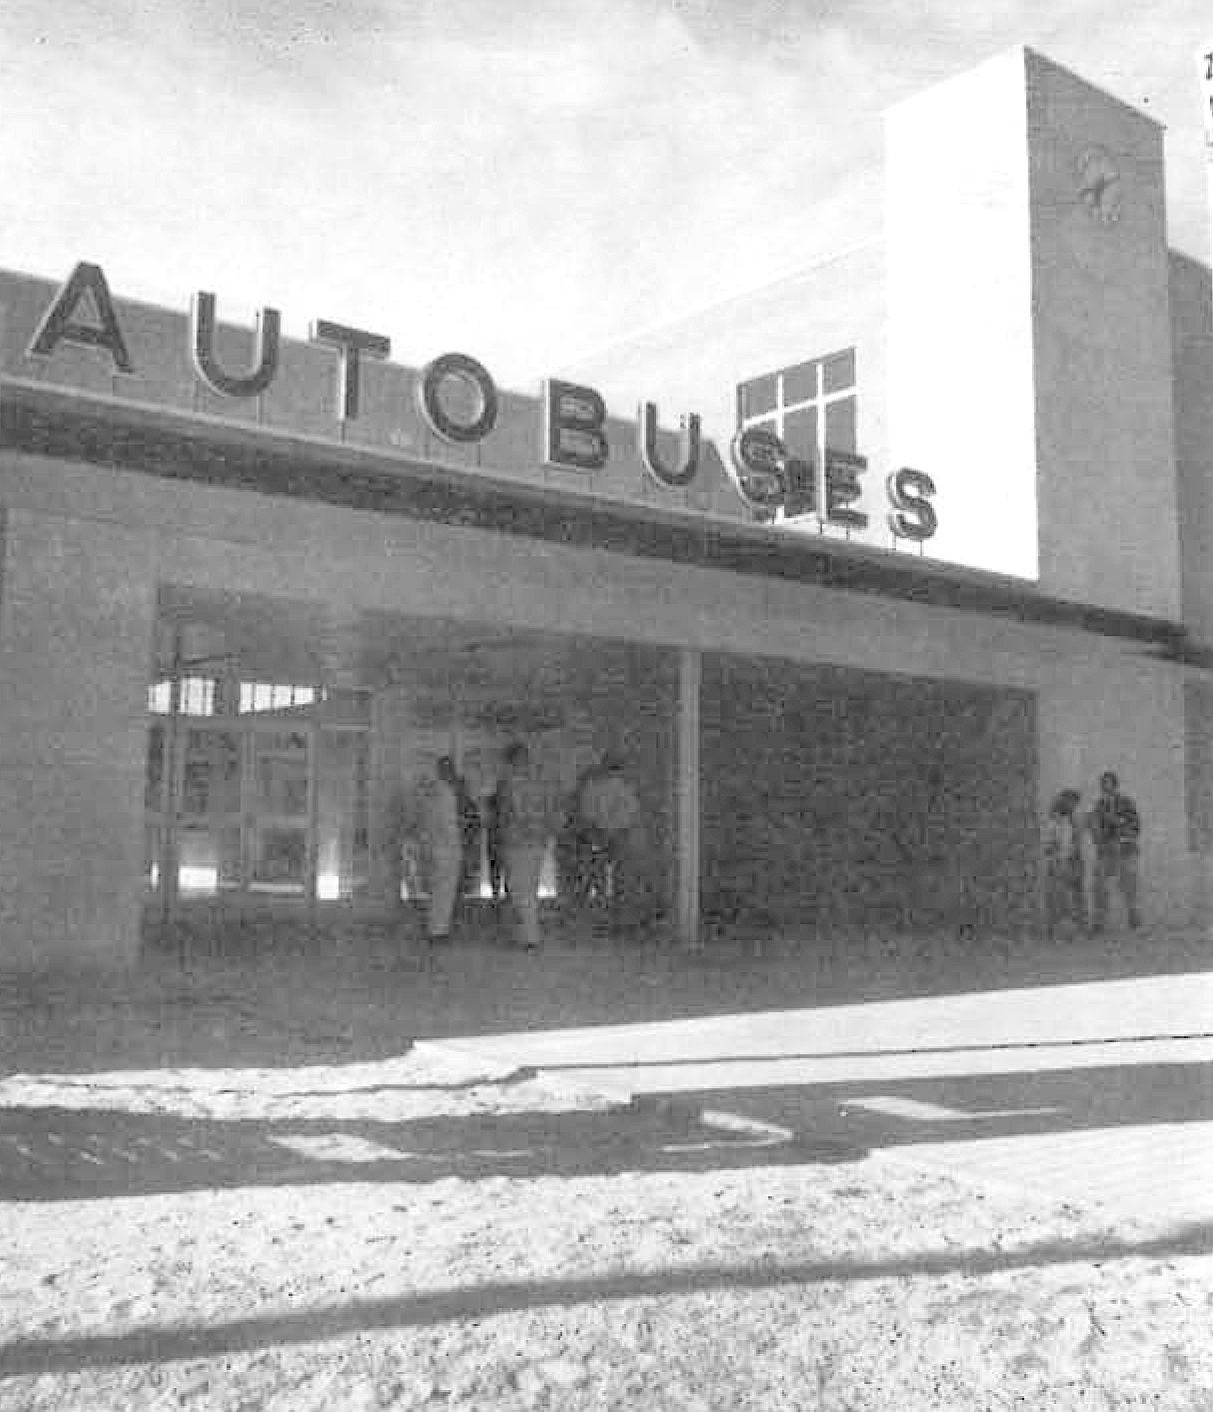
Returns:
<point x="854" y="799"/>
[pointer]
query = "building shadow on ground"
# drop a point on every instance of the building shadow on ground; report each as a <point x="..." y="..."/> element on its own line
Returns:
<point x="154" y="1345"/>
<point x="59" y="1153"/>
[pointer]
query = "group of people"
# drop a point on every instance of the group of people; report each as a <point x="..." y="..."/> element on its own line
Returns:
<point x="601" y="843"/>
<point x="517" y="820"/>
<point x="1087" y="853"/>
<point x="596" y="833"/>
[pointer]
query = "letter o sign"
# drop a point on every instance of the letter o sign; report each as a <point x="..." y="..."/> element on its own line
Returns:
<point x="447" y="385"/>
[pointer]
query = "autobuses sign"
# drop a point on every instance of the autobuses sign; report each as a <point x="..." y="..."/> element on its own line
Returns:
<point x="458" y="400"/>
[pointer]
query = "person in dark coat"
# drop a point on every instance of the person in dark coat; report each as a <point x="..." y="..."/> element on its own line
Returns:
<point x="1116" y="832"/>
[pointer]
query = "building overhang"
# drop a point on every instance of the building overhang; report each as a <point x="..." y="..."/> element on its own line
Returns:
<point x="63" y="424"/>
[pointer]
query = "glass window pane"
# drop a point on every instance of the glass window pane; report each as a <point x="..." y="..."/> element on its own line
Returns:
<point x="800" y="433"/>
<point x="800" y="383"/>
<point x="230" y="872"/>
<point x="282" y="766"/>
<point x="840" y="424"/>
<point x="349" y="707"/>
<point x="839" y="371"/>
<point x="279" y="860"/>
<point x="208" y="860"/>
<point x="342" y="859"/>
<point x="757" y="396"/>
<point x="194" y="696"/>
<point x="197" y="861"/>
<point x="211" y="781"/>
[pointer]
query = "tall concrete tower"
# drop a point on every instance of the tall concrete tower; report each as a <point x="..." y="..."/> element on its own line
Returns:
<point x="1029" y="330"/>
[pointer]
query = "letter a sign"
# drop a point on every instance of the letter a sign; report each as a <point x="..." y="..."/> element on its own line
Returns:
<point x="1206" y="91"/>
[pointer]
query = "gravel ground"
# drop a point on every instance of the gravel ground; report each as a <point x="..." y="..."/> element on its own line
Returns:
<point x="241" y="1197"/>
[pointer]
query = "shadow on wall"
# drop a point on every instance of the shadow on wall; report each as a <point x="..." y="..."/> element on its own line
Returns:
<point x="846" y="798"/>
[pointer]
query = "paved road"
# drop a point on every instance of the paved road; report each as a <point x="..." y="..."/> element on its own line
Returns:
<point x="1100" y="1092"/>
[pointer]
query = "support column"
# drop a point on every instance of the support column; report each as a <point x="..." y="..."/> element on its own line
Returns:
<point x="690" y="677"/>
<point x="171" y="790"/>
<point x="76" y="623"/>
<point x="384" y="803"/>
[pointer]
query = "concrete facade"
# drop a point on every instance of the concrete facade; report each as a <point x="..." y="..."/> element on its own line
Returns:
<point x="1069" y="634"/>
<point x="960" y="311"/>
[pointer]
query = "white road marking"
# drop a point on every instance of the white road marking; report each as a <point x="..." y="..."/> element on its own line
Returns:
<point x="915" y="1111"/>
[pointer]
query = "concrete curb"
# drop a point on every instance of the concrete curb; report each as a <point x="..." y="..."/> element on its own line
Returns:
<point x="678" y="1111"/>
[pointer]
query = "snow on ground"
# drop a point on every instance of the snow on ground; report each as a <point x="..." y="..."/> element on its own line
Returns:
<point x="425" y="1233"/>
<point x="425" y="1083"/>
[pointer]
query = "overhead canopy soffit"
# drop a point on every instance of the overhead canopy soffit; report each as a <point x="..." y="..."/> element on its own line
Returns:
<point x="64" y="425"/>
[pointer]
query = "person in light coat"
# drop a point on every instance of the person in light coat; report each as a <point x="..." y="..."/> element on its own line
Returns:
<point x="1065" y="893"/>
<point x="528" y="805"/>
<point x="445" y="846"/>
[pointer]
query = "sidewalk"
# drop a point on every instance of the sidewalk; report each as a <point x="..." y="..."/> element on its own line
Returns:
<point x="1114" y="1059"/>
<point x="1002" y="1061"/>
<point x="367" y="993"/>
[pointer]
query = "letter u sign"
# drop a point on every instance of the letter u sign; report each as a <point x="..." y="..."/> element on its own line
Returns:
<point x="206" y="361"/>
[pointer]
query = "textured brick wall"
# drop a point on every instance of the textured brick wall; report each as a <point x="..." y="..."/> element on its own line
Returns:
<point x="852" y="798"/>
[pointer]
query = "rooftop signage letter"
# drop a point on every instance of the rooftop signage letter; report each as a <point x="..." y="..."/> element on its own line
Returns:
<point x="59" y="324"/>
<point x="573" y="418"/>
<point x="769" y="478"/>
<point x="352" y="342"/>
<point x="1205" y="59"/>
<point x="464" y="372"/>
<point x="206" y="364"/>
<point x="688" y="448"/>
<point x="458" y="401"/>
<point x="760" y="464"/>
<point x="842" y="472"/>
<point x="912" y="516"/>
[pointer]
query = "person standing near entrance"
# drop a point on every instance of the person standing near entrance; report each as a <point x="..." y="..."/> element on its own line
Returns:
<point x="526" y="811"/>
<point x="1116" y="831"/>
<point x="1064" y="891"/>
<point x="444" y="844"/>
<point x="608" y="838"/>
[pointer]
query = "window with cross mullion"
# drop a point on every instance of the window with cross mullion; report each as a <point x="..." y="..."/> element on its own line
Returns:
<point x="810" y="406"/>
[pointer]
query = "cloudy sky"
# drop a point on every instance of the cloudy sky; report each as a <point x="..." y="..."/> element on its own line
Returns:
<point x="525" y="180"/>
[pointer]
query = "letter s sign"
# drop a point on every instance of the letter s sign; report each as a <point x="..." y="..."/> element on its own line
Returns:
<point x="912" y="516"/>
<point x="760" y="467"/>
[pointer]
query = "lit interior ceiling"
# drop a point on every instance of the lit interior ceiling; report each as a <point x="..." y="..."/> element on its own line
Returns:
<point x="486" y="673"/>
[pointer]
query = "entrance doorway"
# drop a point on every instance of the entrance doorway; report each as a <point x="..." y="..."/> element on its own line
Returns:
<point x="247" y="810"/>
<point x="291" y="746"/>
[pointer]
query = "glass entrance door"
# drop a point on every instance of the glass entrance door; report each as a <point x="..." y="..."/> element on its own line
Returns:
<point x="241" y="808"/>
<point x="279" y="818"/>
<point x="208" y="813"/>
